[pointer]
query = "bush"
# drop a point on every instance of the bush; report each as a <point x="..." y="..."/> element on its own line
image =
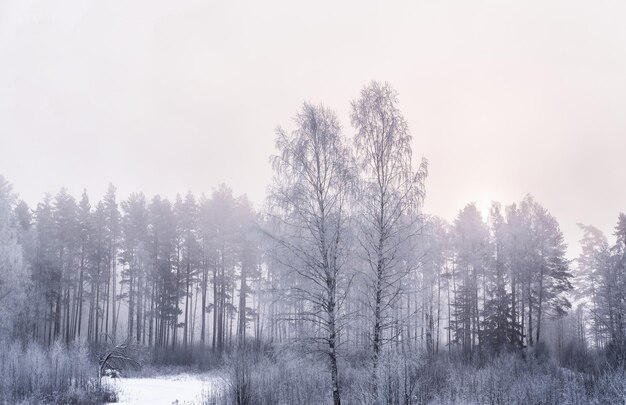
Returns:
<point x="291" y="377"/>
<point x="58" y="374"/>
<point x="403" y="378"/>
<point x="285" y="377"/>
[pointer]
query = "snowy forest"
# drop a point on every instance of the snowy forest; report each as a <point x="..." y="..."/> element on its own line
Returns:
<point x="339" y="287"/>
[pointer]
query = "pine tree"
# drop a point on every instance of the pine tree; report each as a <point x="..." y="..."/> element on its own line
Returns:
<point x="134" y="226"/>
<point x="471" y="245"/>
<point x="500" y="328"/>
<point x="13" y="271"/>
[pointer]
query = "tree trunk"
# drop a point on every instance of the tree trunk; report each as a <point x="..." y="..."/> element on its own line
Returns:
<point x="242" y="307"/>
<point x="204" y="288"/>
<point x="79" y="322"/>
<point x="332" y="348"/>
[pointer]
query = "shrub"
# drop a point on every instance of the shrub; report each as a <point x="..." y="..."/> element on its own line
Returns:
<point x="57" y="374"/>
<point x="291" y="377"/>
<point x="285" y="377"/>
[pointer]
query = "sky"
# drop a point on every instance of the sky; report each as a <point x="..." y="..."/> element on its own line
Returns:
<point x="503" y="98"/>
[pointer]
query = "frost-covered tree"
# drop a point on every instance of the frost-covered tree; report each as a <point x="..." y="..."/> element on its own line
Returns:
<point x="602" y="278"/>
<point x="615" y="287"/>
<point x="66" y="248"/>
<point x="550" y="275"/>
<point x="187" y="216"/>
<point x="162" y="247"/>
<point x="219" y="230"/>
<point x="437" y="248"/>
<point x="593" y="278"/>
<point x="112" y="216"/>
<point x="247" y="248"/>
<point x="313" y="181"/>
<point x="390" y="194"/>
<point x="134" y="226"/>
<point x="13" y="270"/>
<point x="500" y="328"/>
<point x="471" y="241"/>
<point x="84" y="231"/>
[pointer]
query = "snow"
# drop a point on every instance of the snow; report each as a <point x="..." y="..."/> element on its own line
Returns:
<point x="181" y="389"/>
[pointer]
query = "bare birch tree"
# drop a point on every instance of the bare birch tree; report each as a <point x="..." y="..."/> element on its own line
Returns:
<point x="310" y="195"/>
<point x="391" y="192"/>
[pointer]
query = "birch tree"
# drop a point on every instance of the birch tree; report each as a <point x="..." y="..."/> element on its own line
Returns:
<point x="390" y="189"/>
<point x="313" y="180"/>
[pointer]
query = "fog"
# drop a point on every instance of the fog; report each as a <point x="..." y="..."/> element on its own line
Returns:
<point x="328" y="283"/>
<point x="503" y="98"/>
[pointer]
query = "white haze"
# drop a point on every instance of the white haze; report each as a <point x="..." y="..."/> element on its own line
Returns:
<point x="503" y="98"/>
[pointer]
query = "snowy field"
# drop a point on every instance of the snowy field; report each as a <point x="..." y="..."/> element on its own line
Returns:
<point x="178" y="389"/>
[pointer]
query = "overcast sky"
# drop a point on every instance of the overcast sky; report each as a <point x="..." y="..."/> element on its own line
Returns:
<point x="503" y="98"/>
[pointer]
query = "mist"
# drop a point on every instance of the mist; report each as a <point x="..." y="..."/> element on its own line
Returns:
<point x="158" y="204"/>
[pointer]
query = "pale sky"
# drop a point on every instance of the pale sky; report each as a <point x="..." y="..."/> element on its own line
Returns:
<point x="502" y="97"/>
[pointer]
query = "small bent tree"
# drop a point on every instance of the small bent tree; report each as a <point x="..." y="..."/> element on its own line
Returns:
<point x="116" y="358"/>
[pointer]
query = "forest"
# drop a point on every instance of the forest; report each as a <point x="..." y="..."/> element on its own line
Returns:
<point x="338" y="287"/>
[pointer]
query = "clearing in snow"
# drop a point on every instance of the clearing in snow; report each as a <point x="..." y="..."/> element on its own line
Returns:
<point x="178" y="389"/>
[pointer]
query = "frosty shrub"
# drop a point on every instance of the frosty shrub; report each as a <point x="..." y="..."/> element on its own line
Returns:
<point x="404" y="378"/>
<point x="290" y="377"/>
<point x="274" y="378"/>
<point x="512" y="379"/>
<point x="58" y="374"/>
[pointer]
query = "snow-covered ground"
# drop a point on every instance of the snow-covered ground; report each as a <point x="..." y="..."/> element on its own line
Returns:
<point x="178" y="389"/>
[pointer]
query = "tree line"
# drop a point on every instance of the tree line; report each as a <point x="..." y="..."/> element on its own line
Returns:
<point x="340" y="258"/>
<point x="138" y="270"/>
